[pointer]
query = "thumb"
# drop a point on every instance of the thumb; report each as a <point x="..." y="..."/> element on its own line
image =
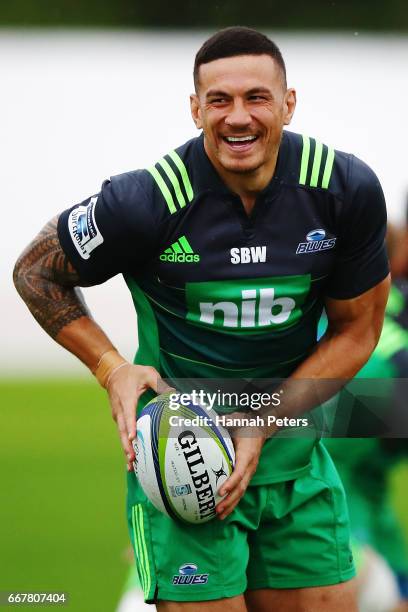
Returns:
<point x="151" y="378"/>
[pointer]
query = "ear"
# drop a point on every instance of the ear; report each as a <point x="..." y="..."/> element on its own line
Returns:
<point x="196" y="111"/>
<point x="289" y="105"/>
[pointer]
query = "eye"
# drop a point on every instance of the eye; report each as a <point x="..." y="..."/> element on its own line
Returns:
<point x="218" y="101"/>
<point x="257" y="98"/>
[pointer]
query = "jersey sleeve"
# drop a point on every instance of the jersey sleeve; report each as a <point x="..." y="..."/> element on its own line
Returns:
<point x="110" y="232"/>
<point x="361" y="257"/>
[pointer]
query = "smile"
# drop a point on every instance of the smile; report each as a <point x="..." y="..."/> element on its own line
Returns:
<point x="240" y="142"/>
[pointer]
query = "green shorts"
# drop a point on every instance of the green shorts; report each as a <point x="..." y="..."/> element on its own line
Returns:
<point x="284" y="535"/>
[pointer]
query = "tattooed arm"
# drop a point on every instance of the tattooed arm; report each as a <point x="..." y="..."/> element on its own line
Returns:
<point x="48" y="284"/>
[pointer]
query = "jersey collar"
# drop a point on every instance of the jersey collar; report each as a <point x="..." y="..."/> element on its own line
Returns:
<point x="207" y="178"/>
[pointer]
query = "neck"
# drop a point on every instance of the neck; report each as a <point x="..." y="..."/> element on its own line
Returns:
<point x="246" y="184"/>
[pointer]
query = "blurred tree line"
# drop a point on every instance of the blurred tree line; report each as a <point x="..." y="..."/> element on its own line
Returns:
<point x="357" y="15"/>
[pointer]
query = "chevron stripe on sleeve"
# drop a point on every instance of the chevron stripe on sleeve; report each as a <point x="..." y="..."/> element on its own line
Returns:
<point x="171" y="177"/>
<point x="316" y="164"/>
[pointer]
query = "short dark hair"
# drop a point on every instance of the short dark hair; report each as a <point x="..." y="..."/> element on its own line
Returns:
<point x="237" y="41"/>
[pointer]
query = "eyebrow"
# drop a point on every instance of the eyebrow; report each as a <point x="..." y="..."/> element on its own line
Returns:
<point x="215" y="92"/>
<point x="218" y="92"/>
<point x="255" y="90"/>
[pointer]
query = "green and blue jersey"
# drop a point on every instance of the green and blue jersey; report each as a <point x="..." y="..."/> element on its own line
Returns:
<point x="223" y="294"/>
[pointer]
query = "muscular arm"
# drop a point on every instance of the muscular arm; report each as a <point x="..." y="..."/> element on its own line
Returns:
<point x="49" y="285"/>
<point x="354" y="330"/>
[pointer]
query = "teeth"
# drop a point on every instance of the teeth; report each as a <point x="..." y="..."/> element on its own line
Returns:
<point x="240" y="139"/>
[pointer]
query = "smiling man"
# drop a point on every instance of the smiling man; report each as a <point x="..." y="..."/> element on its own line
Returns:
<point x="230" y="245"/>
<point x="241" y="103"/>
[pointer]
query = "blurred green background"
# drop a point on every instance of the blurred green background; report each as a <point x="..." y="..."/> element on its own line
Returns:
<point x="360" y="15"/>
<point x="62" y="467"/>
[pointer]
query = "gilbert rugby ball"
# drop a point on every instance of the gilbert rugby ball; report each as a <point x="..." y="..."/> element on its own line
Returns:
<point x="182" y="459"/>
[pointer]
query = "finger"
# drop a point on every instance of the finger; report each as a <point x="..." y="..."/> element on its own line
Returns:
<point x="152" y="379"/>
<point x="232" y="497"/>
<point x="118" y="417"/>
<point x="227" y="505"/>
<point x="129" y="411"/>
<point x="115" y="407"/>
<point x="234" y="480"/>
<point x="164" y="387"/>
<point x="126" y="445"/>
<point x="226" y="513"/>
<point x="228" y="510"/>
<point x="237" y="486"/>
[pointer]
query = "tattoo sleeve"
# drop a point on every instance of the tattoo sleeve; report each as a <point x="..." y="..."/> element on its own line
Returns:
<point x="48" y="283"/>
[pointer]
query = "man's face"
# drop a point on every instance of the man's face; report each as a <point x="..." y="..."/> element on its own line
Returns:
<point x="242" y="105"/>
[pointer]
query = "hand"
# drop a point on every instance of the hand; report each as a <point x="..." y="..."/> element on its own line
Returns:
<point x="125" y="386"/>
<point x="247" y="452"/>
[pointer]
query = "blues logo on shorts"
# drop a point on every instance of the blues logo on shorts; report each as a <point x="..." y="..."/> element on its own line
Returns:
<point x="188" y="575"/>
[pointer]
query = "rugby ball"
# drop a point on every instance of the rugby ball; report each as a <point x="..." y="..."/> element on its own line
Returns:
<point x="182" y="458"/>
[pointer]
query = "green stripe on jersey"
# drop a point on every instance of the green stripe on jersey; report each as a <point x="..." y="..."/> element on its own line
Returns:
<point x="316" y="164"/>
<point x="328" y="168"/>
<point x="305" y="159"/>
<point x="139" y="550"/>
<point x="318" y="156"/>
<point x="163" y="188"/>
<point x="140" y="521"/>
<point x="174" y="181"/>
<point x="176" y="177"/>
<point x="183" y="171"/>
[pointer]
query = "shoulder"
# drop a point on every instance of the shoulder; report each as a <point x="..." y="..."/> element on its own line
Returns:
<point x="124" y="198"/>
<point x="169" y="181"/>
<point x="148" y="195"/>
<point x="161" y="189"/>
<point x="362" y="178"/>
<point x="318" y="166"/>
<point x="126" y="189"/>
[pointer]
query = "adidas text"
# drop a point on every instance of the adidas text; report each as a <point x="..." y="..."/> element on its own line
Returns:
<point x="180" y="257"/>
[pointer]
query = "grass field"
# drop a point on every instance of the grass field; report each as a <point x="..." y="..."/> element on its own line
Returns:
<point x="62" y="511"/>
<point x="62" y="505"/>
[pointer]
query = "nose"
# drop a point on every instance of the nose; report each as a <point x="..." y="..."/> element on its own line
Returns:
<point x="238" y="115"/>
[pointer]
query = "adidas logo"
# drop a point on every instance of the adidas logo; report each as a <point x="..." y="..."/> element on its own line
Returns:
<point x="180" y="252"/>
